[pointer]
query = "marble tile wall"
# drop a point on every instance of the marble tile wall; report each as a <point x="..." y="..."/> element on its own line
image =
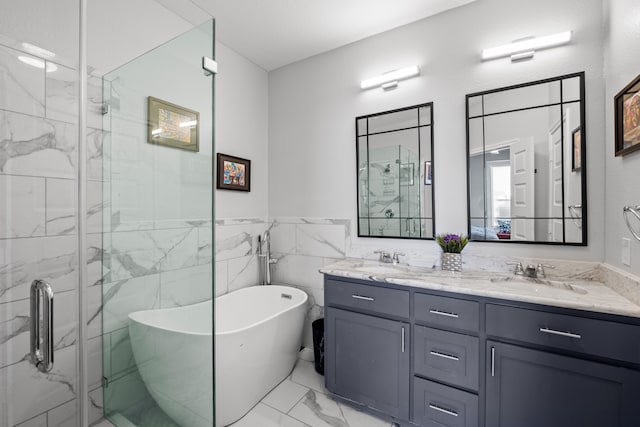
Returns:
<point x="38" y="234"/>
<point x="236" y="246"/>
<point x="302" y="246"/>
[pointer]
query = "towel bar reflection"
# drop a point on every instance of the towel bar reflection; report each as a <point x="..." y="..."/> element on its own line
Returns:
<point x="42" y="325"/>
<point x="635" y="211"/>
<point x="576" y="216"/>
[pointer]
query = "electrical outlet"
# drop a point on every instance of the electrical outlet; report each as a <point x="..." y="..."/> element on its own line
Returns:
<point x="626" y="251"/>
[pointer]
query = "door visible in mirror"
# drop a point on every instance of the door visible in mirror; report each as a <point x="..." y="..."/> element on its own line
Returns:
<point x="523" y="145"/>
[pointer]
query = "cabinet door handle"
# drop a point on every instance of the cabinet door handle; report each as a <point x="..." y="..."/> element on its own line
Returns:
<point x="362" y="297"/>
<point x="443" y="313"/>
<point x="493" y="361"/>
<point x="562" y="334"/>
<point x="443" y="410"/>
<point x="403" y="339"/>
<point x="444" y="355"/>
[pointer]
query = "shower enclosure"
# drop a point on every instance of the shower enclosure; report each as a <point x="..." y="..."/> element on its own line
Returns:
<point x="390" y="193"/>
<point x="96" y="203"/>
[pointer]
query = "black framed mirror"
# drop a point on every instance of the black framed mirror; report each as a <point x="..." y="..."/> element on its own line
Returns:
<point x="526" y="163"/>
<point x="395" y="173"/>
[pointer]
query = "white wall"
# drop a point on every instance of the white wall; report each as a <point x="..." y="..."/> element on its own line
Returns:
<point x="623" y="173"/>
<point x="312" y="105"/>
<point x="241" y="129"/>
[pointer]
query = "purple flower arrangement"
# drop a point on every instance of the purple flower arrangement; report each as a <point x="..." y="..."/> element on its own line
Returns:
<point x="452" y="243"/>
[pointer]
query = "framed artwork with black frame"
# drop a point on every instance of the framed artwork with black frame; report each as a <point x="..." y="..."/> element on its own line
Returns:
<point x="172" y="125"/>
<point x="627" y="119"/>
<point x="576" y="152"/>
<point x="233" y="173"/>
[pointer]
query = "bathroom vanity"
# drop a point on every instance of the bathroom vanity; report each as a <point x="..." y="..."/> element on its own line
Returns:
<point x="400" y="345"/>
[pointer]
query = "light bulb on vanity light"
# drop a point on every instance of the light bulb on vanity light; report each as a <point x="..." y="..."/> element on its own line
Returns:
<point x="525" y="48"/>
<point x="390" y="79"/>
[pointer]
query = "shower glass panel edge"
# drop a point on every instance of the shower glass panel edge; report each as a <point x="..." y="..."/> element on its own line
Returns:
<point x="157" y="227"/>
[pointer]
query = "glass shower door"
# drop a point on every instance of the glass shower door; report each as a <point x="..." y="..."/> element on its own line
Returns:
<point x="39" y="211"/>
<point x="157" y="194"/>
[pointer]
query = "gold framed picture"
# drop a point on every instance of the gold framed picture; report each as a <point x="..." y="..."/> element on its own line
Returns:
<point x="172" y="125"/>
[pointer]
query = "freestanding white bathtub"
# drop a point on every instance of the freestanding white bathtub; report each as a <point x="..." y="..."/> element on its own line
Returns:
<point x="258" y="332"/>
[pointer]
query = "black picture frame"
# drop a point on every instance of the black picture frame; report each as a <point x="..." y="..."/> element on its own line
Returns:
<point x="172" y="125"/>
<point x="627" y="118"/>
<point x="576" y="152"/>
<point x="233" y="173"/>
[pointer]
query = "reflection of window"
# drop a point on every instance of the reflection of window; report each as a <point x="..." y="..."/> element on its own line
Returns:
<point x="499" y="190"/>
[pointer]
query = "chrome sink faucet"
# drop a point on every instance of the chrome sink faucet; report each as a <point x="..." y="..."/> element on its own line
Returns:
<point x="386" y="257"/>
<point x="530" y="271"/>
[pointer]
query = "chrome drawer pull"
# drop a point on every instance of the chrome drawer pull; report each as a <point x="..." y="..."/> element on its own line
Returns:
<point x="403" y="339"/>
<point x="444" y="355"/>
<point x="443" y="313"/>
<point x="562" y="334"/>
<point x="443" y="410"/>
<point x="361" y="297"/>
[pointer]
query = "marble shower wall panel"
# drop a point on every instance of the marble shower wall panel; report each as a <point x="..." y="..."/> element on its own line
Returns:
<point x="33" y="392"/>
<point x="22" y="85"/>
<point x="24" y="214"/>
<point x="35" y="146"/>
<point x="53" y="259"/>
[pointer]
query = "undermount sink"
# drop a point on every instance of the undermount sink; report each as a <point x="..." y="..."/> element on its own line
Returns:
<point x="530" y="281"/>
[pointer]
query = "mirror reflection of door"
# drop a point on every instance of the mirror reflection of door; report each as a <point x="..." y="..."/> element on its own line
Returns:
<point x="529" y="131"/>
<point x="523" y="189"/>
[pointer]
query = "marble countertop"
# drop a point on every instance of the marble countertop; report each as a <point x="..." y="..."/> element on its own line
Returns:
<point x="581" y="294"/>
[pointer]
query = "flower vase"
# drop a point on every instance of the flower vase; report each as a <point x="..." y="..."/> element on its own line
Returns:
<point x="451" y="261"/>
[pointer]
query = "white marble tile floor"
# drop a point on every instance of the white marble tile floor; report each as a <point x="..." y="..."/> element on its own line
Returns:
<point x="299" y="401"/>
<point x="302" y="401"/>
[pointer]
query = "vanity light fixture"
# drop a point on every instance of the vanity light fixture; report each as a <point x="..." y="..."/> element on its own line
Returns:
<point x="390" y="79"/>
<point x="525" y="48"/>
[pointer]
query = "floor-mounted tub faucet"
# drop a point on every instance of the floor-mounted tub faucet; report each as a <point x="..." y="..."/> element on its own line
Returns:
<point x="264" y="258"/>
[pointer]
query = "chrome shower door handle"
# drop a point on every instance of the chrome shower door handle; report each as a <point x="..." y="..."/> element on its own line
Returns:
<point x="42" y="343"/>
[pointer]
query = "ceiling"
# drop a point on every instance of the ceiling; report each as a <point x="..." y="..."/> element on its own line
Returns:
<point x="274" y="33"/>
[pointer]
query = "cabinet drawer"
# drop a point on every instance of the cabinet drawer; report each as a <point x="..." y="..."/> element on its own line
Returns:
<point x="447" y="312"/>
<point x="446" y="356"/>
<point x="591" y="336"/>
<point x="436" y="405"/>
<point x="376" y="299"/>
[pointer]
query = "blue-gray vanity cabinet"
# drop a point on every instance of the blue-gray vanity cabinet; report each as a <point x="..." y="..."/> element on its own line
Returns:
<point x="367" y="360"/>
<point x="531" y="388"/>
<point x="471" y="361"/>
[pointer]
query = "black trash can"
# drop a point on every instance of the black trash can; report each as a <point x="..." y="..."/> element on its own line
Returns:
<point x="317" y="326"/>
